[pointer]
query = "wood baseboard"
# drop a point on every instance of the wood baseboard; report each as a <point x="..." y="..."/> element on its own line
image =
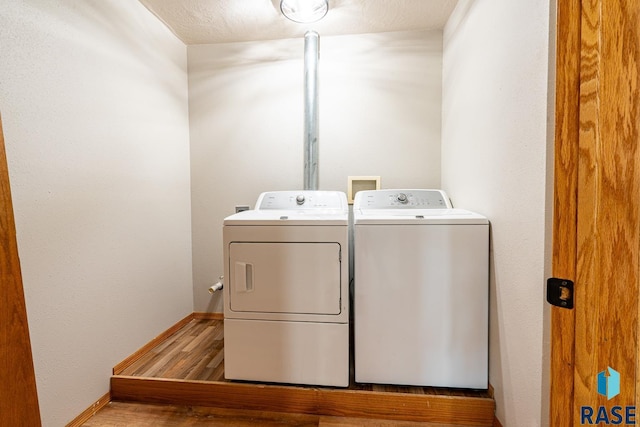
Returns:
<point x="469" y="411"/>
<point x="90" y="411"/>
<point x="154" y="342"/>
<point x="208" y="316"/>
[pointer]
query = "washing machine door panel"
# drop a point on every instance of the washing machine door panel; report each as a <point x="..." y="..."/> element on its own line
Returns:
<point x="432" y="284"/>
<point x="297" y="278"/>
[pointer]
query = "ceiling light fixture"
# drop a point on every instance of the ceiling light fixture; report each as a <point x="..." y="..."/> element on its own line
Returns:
<point x="304" y="11"/>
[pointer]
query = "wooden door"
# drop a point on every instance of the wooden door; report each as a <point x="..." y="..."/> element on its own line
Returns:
<point x="18" y="397"/>
<point x="597" y="204"/>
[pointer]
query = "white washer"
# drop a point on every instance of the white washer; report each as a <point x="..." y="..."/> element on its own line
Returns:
<point x="286" y="294"/>
<point x="421" y="294"/>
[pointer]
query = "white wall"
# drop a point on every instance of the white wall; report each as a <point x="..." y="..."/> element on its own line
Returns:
<point x="380" y="103"/>
<point x="93" y="96"/>
<point x="494" y="154"/>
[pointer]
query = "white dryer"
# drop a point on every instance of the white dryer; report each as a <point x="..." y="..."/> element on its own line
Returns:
<point x="286" y="294"/>
<point x="421" y="290"/>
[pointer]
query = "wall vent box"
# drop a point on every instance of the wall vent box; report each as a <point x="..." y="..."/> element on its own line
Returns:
<point x="360" y="183"/>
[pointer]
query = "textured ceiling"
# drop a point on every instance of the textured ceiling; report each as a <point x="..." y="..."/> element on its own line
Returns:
<point x="224" y="21"/>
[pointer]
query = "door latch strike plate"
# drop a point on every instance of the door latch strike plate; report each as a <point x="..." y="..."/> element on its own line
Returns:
<point x="560" y="292"/>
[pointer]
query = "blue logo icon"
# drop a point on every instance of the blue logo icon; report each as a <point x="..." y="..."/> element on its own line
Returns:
<point x="609" y="384"/>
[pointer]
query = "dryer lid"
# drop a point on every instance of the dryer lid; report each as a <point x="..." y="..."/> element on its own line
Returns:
<point x="288" y="217"/>
<point x="295" y="208"/>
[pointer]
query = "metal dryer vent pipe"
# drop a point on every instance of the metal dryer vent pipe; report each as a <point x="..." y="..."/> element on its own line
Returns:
<point x="311" y="57"/>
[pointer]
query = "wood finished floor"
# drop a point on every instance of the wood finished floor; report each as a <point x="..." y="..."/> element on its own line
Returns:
<point x="121" y="414"/>
<point x="195" y="352"/>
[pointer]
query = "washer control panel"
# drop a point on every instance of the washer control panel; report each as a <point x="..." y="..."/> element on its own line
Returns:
<point x="302" y="200"/>
<point x="402" y="199"/>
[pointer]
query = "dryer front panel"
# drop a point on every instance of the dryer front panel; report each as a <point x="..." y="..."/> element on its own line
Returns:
<point x="285" y="277"/>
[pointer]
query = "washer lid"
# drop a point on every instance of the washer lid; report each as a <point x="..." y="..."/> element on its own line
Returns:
<point x="417" y="216"/>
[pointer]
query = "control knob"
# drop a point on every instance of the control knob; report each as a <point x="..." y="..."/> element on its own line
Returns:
<point x="402" y="198"/>
<point x="300" y="199"/>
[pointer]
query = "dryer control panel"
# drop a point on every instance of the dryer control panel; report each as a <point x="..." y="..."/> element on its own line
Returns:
<point x="402" y="199"/>
<point x="302" y="200"/>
